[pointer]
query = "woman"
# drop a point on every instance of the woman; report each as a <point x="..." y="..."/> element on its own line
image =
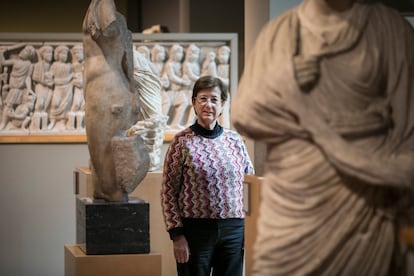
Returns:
<point x="202" y="195"/>
<point x="333" y="101"/>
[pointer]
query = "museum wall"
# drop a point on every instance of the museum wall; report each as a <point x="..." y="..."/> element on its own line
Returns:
<point x="37" y="206"/>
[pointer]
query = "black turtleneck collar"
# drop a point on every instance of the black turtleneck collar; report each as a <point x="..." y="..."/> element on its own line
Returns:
<point x="207" y="133"/>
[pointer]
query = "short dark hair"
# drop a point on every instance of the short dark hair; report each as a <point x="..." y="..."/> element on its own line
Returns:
<point x="206" y="82"/>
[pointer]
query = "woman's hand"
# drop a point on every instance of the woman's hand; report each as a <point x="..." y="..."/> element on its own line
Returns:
<point x="181" y="250"/>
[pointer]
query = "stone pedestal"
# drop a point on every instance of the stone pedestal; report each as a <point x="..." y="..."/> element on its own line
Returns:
<point x="82" y="182"/>
<point x="77" y="263"/>
<point x="148" y="189"/>
<point x="112" y="227"/>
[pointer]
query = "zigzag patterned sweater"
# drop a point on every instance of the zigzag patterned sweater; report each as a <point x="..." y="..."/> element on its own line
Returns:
<point x="203" y="176"/>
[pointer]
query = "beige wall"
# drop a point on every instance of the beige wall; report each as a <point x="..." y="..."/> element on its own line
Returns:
<point x="37" y="206"/>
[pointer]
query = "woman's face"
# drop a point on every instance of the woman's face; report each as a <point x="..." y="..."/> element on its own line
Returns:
<point x="208" y="106"/>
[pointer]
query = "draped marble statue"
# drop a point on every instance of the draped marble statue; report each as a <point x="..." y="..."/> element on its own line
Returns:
<point x="151" y="122"/>
<point x="329" y="87"/>
<point x="118" y="162"/>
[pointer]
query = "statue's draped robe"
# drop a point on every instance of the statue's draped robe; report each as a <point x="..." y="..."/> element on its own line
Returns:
<point x="149" y="88"/>
<point x="340" y="154"/>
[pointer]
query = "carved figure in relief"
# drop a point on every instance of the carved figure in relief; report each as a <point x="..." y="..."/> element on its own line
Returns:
<point x="145" y="52"/>
<point x="62" y="95"/>
<point x="20" y="79"/>
<point x="3" y="81"/>
<point x="191" y="72"/>
<point x="223" y="73"/>
<point x="20" y="118"/>
<point x="43" y="84"/>
<point x="77" y="111"/>
<point x="333" y="100"/>
<point x="118" y="162"/>
<point x="158" y="57"/>
<point x="175" y="100"/>
<point x="209" y="66"/>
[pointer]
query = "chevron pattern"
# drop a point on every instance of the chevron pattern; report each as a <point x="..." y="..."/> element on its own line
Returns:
<point x="203" y="178"/>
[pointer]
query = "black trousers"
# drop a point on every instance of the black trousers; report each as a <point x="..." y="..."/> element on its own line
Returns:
<point x="216" y="247"/>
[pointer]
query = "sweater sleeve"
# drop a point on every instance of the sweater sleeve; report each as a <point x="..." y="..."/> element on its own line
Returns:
<point x="248" y="165"/>
<point x="171" y="183"/>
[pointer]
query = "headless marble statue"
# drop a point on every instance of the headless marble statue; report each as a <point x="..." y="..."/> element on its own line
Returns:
<point x="118" y="163"/>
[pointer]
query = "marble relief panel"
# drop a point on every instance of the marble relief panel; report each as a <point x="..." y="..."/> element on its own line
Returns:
<point x="41" y="95"/>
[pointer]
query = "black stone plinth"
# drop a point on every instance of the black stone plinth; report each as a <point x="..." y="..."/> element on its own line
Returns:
<point x="112" y="227"/>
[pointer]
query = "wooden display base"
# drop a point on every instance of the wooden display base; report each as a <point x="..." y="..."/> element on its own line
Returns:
<point x="77" y="263"/>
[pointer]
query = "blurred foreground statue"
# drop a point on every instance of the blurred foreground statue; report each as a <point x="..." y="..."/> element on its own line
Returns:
<point x="118" y="162"/>
<point x="329" y="87"/>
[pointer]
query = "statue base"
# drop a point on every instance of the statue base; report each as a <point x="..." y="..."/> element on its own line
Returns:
<point x="112" y="227"/>
<point x="77" y="263"/>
